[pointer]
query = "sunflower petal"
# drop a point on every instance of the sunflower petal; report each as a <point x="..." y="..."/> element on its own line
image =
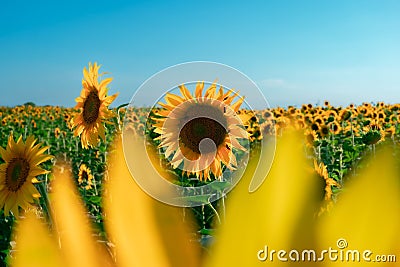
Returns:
<point x="173" y="100"/>
<point x="35" y="248"/>
<point x="199" y="89"/>
<point x="185" y="92"/>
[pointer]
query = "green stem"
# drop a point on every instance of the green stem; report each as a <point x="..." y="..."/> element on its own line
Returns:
<point x="118" y="115"/>
<point x="215" y="211"/>
<point x="45" y="204"/>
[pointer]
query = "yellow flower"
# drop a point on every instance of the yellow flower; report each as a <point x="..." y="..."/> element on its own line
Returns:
<point x="93" y="104"/>
<point x="85" y="177"/>
<point x="323" y="131"/>
<point x="310" y="137"/>
<point x="329" y="182"/>
<point x="335" y="127"/>
<point x="373" y="134"/>
<point x="18" y="173"/>
<point x="186" y="122"/>
<point x="345" y="114"/>
<point x="57" y="132"/>
<point x="390" y="131"/>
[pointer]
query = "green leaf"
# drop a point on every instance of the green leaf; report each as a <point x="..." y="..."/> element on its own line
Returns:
<point x="201" y="199"/>
<point x="205" y="231"/>
<point x="95" y="199"/>
<point x="220" y="185"/>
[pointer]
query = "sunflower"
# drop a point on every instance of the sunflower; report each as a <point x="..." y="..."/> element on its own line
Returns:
<point x="310" y="136"/>
<point x="324" y="131"/>
<point x="85" y="177"/>
<point x="390" y="131"/>
<point x="335" y="127"/>
<point x="201" y="131"/>
<point x="373" y="135"/>
<point x="93" y="104"/>
<point x="33" y="123"/>
<point x="329" y="182"/>
<point x="67" y="117"/>
<point x="267" y="128"/>
<point x="57" y="132"/>
<point x="267" y="115"/>
<point x="345" y="114"/>
<point x="18" y="173"/>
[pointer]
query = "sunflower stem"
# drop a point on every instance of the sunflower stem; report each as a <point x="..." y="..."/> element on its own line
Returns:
<point x="223" y="207"/>
<point x="215" y="211"/>
<point x="118" y="115"/>
<point x="95" y="187"/>
<point x="45" y="204"/>
<point x="203" y="216"/>
<point x="121" y="106"/>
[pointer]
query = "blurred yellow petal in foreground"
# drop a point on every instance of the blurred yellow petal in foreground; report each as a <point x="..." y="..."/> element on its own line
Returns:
<point x="35" y="247"/>
<point x="367" y="214"/>
<point x="278" y="215"/>
<point x="72" y="225"/>
<point x="145" y="231"/>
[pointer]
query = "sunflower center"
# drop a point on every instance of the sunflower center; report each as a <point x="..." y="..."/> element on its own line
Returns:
<point x="85" y="176"/>
<point x="195" y="130"/>
<point x="91" y="107"/>
<point x="16" y="173"/>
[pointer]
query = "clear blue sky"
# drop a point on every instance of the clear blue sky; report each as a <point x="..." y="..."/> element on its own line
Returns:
<point x="296" y="51"/>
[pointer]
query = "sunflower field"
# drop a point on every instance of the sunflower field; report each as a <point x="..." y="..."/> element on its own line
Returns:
<point x="47" y="152"/>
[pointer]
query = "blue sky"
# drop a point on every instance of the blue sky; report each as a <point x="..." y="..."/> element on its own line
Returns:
<point x="296" y="51"/>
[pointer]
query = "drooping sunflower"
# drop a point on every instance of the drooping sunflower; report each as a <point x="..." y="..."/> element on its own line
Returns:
<point x="18" y="173"/>
<point x="93" y="104"/>
<point x="310" y="137"/>
<point x="200" y="131"/>
<point x="322" y="172"/>
<point x="85" y="177"/>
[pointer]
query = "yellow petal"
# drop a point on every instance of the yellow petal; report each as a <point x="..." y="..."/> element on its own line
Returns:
<point x="4" y="154"/>
<point x="237" y="104"/>
<point x="145" y="231"/>
<point x="110" y="99"/>
<point x="72" y="225"/>
<point x="35" y="247"/>
<point x="199" y="89"/>
<point x="367" y="214"/>
<point x="278" y="215"/>
<point x="210" y="92"/>
<point x="185" y="92"/>
<point x="103" y="84"/>
<point x="173" y="100"/>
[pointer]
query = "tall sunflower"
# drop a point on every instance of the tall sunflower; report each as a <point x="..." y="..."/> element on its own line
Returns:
<point x="200" y="131"/>
<point x="93" y="104"/>
<point x="18" y="173"/>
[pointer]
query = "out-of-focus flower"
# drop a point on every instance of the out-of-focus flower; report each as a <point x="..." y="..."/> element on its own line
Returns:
<point x="322" y="172"/>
